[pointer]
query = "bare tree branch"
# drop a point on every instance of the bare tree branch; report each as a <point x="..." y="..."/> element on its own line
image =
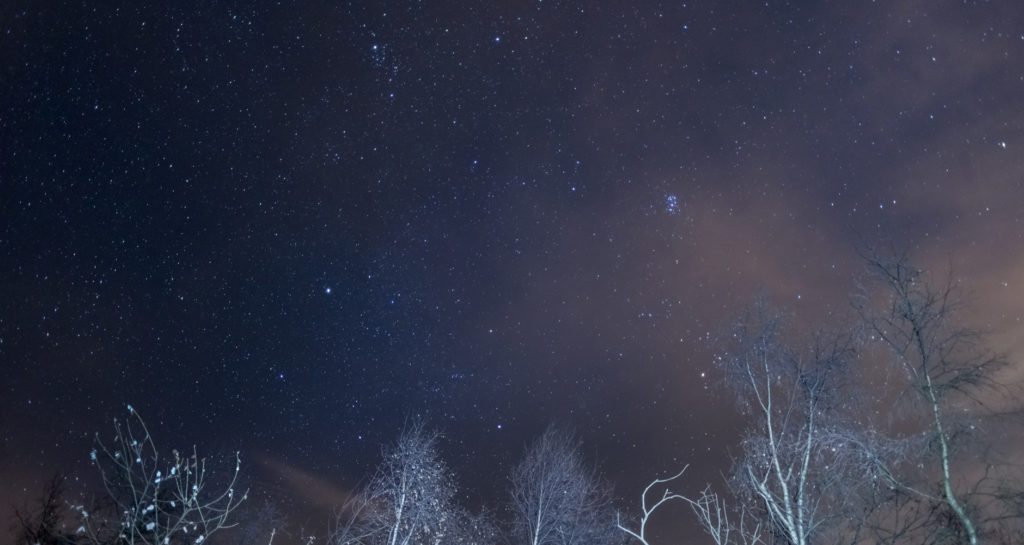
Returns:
<point x="156" y="502"/>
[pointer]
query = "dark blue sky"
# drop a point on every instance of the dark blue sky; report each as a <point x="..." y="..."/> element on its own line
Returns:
<point x="286" y="227"/>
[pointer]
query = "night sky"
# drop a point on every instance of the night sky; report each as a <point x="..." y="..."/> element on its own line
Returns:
<point x="287" y="228"/>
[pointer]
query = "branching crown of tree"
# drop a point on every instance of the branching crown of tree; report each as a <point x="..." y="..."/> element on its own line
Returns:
<point x="557" y="499"/>
<point x="155" y="502"/>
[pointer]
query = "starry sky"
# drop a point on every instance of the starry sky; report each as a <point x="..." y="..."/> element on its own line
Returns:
<point x="287" y="227"/>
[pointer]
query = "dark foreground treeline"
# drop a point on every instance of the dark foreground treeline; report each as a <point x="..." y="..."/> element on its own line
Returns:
<point x="893" y="428"/>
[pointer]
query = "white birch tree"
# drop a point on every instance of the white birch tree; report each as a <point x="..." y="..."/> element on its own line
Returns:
<point x="557" y="499"/>
<point x="411" y="496"/>
<point x="789" y="468"/>
<point x="950" y="372"/>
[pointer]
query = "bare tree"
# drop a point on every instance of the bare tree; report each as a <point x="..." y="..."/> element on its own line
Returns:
<point x="411" y="501"/>
<point x="156" y="502"/>
<point x="950" y="373"/>
<point x="557" y="499"/>
<point x="411" y="496"/>
<point x="788" y="470"/>
<point x="47" y="526"/>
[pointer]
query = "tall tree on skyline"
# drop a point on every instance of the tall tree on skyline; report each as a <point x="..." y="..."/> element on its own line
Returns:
<point x="953" y="377"/>
<point x="411" y="496"/>
<point x="787" y="469"/>
<point x="557" y="499"/>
